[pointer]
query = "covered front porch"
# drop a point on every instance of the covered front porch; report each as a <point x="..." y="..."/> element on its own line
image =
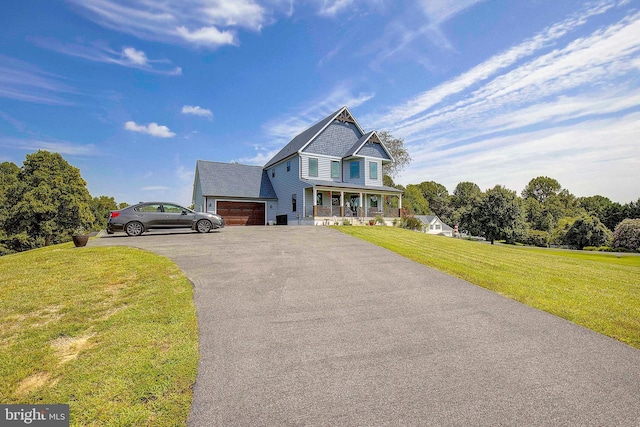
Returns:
<point x="329" y="205"/>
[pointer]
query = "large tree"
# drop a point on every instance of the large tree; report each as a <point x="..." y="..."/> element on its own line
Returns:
<point x="401" y="157"/>
<point x="541" y="188"/>
<point x="499" y="215"/>
<point x="438" y="199"/>
<point x="545" y="202"/>
<point x="47" y="203"/>
<point x="465" y="196"/>
<point x="413" y="200"/>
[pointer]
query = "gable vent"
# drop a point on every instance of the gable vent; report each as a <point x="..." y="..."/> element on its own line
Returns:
<point x="345" y="117"/>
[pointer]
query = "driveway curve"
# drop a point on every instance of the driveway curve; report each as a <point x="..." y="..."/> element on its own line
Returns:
<point x="308" y="326"/>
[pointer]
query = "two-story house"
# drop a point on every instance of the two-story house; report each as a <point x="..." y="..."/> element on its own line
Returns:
<point x="330" y="172"/>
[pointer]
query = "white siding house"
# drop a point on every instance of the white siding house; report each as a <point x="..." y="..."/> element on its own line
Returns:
<point x="330" y="172"/>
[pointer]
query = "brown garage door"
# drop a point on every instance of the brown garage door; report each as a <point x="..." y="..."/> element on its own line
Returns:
<point x="241" y="213"/>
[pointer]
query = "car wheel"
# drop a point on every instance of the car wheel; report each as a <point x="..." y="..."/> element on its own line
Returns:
<point x="203" y="226"/>
<point x="134" y="228"/>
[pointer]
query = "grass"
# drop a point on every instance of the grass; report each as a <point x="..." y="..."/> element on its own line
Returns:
<point x="110" y="331"/>
<point x="600" y="291"/>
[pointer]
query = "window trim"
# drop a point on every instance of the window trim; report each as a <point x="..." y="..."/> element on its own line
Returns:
<point x="351" y="169"/>
<point x="335" y="163"/>
<point x="315" y="160"/>
<point x="373" y="167"/>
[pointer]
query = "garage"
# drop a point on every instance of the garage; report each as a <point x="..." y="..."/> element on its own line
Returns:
<point x="242" y="213"/>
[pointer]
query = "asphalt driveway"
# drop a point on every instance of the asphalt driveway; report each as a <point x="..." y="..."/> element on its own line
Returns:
<point x="308" y="326"/>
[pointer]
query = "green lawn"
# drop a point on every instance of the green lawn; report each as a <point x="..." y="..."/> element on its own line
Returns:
<point x="600" y="291"/>
<point x="110" y="331"/>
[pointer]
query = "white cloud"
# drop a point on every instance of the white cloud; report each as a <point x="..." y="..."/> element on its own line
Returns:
<point x="101" y="52"/>
<point x="206" y="36"/>
<point x="197" y="111"/>
<point x="155" y="188"/>
<point x="333" y="7"/>
<point x="137" y="57"/>
<point x="205" y="23"/>
<point x="487" y="69"/>
<point x="152" y="129"/>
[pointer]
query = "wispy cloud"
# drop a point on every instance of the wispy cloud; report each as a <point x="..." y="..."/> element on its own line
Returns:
<point x="285" y="127"/>
<point x="26" y="82"/>
<point x="489" y="68"/>
<point x="206" y="23"/>
<point x="545" y="106"/>
<point x="100" y="52"/>
<point x="333" y="7"/>
<point x="152" y="129"/>
<point x="62" y="147"/>
<point x="197" y="111"/>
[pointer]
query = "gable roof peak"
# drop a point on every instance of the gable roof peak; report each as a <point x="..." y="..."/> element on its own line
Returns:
<point x="306" y="136"/>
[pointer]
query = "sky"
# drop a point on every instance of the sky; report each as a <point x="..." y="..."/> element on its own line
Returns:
<point x="496" y="92"/>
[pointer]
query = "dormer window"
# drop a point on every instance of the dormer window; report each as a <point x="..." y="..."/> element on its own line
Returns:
<point x="373" y="170"/>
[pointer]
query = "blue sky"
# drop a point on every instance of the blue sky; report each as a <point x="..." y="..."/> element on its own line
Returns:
<point x="494" y="92"/>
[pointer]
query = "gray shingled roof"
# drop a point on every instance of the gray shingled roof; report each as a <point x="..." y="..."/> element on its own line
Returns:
<point x="358" y="144"/>
<point x="234" y="180"/>
<point x="301" y="139"/>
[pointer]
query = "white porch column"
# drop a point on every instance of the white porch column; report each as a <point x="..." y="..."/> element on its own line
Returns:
<point x="399" y="201"/>
<point x="362" y="205"/>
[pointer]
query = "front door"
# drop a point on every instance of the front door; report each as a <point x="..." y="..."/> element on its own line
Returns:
<point x="354" y="204"/>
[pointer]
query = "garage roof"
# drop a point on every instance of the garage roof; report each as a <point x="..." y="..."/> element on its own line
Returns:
<point x="233" y="180"/>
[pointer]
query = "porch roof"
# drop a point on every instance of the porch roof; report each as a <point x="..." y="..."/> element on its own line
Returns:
<point x="348" y="186"/>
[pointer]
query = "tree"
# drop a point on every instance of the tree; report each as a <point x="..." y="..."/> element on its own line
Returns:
<point x="438" y="199"/>
<point x="627" y="235"/>
<point x="499" y="215"/>
<point x="465" y="196"/>
<point x="8" y="178"/>
<point x="101" y="207"/>
<point x="47" y="203"/>
<point x="401" y="157"/>
<point x="541" y="188"/>
<point x="413" y="200"/>
<point x="587" y="230"/>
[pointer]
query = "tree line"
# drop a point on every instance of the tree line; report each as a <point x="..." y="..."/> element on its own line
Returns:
<point x="543" y="214"/>
<point x="45" y="202"/>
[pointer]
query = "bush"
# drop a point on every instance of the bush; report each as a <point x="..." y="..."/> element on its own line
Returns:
<point x="412" y="223"/>
<point x="537" y="238"/>
<point x="587" y="231"/>
<point x="380" y="220"/>
<point x="627" y="235"/>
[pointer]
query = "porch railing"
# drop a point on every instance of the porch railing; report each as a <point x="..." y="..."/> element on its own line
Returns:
<point x="347" y="211"/>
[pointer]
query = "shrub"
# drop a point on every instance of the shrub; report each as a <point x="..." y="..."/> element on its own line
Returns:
<point x="537" y="238"/>
<point x="587" y="231"/>
<point x="627" y="235"/>
<point x="380" y="220"/>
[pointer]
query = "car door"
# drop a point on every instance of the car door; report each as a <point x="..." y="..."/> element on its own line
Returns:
<point x="150" y="214"/>
<point x="177" y="216"/>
